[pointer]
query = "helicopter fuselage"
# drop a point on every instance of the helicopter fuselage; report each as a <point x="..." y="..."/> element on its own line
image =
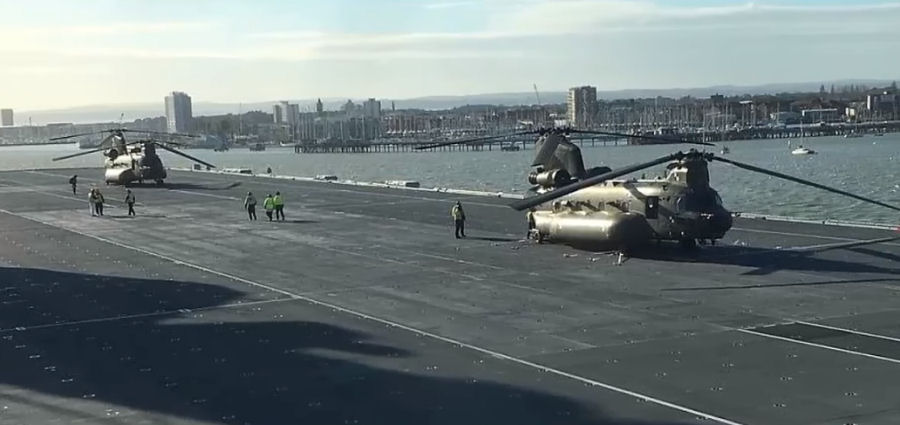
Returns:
<point x="126" y="168"/>
<point x="632" y="212"/>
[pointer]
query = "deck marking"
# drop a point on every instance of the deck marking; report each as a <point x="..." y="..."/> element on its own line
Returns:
<point x="813" y="344"/>
<point x="448" y="340"/>
<point x="851" y="331"/>
<point x="140" y="315"/>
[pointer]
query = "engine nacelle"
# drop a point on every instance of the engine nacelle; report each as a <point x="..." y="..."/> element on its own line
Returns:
<point x="548" y="179"/>
<point x="600" y="227"/>
<point x="119" y="176"/>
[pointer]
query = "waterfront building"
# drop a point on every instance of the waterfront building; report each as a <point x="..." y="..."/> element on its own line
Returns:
<point x="179" y="116"/>
<point x="581" y="106"/>
<point x="6" y="117"/>
<point x="372" y="108"/>
<point x="277" y="114"/>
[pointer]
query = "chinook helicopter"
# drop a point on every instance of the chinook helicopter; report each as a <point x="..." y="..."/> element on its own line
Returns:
<point x="578" y="206"/>
<point x="128" y="162"/>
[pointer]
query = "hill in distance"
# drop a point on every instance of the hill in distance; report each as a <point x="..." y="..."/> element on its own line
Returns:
<point x="133" y="111"/>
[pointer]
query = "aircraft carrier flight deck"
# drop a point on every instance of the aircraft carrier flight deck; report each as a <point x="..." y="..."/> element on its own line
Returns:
<point x="362" y="308"/>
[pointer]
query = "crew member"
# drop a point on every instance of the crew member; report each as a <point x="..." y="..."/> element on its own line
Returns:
<point x="279" y="206"/>
<point x="98" y="201"/>
<point x="459" y="218"/>
<point x="269" y="205"/>
<point x="92" y="201"/>
<point x="250" y="205"/>
<point x="74" y="182"/>
<point x="129" y="199"/>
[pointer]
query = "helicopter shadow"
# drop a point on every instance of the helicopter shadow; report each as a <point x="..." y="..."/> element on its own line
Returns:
<point x="184" y="186"/>
<point x="765" y="261"/>
<point x="493" y="239"/>
<point x="294" y="221"/>
<point x="191" y="351"/>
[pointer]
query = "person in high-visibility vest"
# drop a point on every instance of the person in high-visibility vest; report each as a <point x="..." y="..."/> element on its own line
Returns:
<point x="279" y="206"/>
<point x="459" y="218"/>
<point x="269" y="205"/>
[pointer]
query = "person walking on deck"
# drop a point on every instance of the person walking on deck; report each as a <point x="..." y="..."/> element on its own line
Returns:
<point x="279" y="206"/>
<point x="92" y="201"/>
<point x="129" y="200"/>
<point x="74" y="182"/>
<point x="459" y="219"/>
<point x="269" y="205"/>
<point x="98" y="202"/>
<point x="250" y="205"/>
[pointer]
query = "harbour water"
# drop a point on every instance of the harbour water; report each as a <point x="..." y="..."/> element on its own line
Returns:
<point x="869" y="166"/>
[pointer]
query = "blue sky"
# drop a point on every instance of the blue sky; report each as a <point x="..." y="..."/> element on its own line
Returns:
<point x="66" y="53"/>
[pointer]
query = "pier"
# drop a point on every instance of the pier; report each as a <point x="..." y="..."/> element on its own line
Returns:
<point x="523" y="142"/>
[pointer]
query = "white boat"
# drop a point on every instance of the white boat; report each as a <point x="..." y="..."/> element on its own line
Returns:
<point x="853" y="135"/>
<point x="803" y="151"/>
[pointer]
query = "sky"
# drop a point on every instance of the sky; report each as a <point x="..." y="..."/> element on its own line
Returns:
<point x="63" y="53"/>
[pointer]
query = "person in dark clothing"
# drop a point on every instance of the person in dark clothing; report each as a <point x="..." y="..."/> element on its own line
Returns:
<point x="459" y="218"/>
<point x="250" y="205"/>
<point x="129" y="200"/>
<point x="98" y="201"/>
<point x="74" y="182"/>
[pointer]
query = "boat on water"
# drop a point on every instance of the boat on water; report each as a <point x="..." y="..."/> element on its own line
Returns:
<point x="510" y="148"/>
<point x="257" y="147"/>
<point x="853" y="135"/>
<point x="725" y="150"/>
<point x="803" y="151"/>
<point x="879" y="134"/>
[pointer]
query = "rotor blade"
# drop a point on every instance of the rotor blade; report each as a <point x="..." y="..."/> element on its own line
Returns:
<point x="565" y="190"/>
<point x="802" y="181"/>
<point x="79" y="154"/>
<point x="183" y="154"/>
<point x="77" y="135"/>
<point x="669" y="140"/>
<point x="159" y="133"/>
<point x="477" y="139"/>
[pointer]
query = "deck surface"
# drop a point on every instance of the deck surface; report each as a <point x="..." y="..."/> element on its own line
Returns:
<point x="362" y="308"/>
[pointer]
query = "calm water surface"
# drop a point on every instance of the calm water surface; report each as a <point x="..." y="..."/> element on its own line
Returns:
<point x="868" y="166"/>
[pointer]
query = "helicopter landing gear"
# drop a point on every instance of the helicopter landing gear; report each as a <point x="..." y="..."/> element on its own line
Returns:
<point x="159" y="182"/>
<point x="689" y="244"/>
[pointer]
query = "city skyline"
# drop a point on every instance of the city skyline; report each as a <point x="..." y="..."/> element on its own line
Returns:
<point x="100" y="52"/>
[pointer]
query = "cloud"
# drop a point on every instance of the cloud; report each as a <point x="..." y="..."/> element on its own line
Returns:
<point x="597" y="16"/>
<point x="105" y="29"/>
<point x="448" y="5"/>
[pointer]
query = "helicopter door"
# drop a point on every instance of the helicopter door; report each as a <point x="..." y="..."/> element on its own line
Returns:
<point x="651" y="207"/>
